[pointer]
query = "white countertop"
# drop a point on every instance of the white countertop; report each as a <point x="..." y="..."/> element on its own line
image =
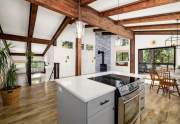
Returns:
<point x="85" y="89"/>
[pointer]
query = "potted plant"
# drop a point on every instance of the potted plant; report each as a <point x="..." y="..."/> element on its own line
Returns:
<point x="177" y="70"/>
<point x="9" y="89"/>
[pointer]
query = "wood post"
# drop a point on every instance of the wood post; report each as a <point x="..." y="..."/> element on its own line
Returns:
<point x="132" y="54"/>
<point x="29" y="62"/>
<point x="78" y="57"/>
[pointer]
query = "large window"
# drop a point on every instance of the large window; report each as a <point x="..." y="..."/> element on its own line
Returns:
<point x="154" y="58"/>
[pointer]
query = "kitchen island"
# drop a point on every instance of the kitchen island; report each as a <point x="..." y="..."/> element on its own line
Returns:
<point x="84" y="101"/>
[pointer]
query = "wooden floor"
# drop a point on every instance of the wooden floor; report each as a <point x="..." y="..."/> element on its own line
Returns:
<point x="38" y="105"/>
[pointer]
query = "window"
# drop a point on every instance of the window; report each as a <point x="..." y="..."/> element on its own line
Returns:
<point x="122" y="56"/>
<point x="154" y="58"/>
<point x="122" y="42"/>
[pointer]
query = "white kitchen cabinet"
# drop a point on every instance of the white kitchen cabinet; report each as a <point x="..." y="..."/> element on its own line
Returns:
<point x="106" y="116"/>
<point x="72" y="110"/>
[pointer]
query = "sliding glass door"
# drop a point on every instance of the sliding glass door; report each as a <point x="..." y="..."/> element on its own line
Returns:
<point x="155" y="58"/>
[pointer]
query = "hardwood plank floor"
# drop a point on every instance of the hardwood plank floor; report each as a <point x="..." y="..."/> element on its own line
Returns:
<point x="38" y="105"/>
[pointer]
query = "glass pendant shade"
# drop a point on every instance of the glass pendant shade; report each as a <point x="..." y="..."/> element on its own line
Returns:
<point x="79" y="29"/>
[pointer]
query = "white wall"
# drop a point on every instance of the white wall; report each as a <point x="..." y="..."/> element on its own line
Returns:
<point x="67" y="66"/>
<point x="88" y="57"/>
<point x="49" y="60"/>
<point x="145" y="41"/>
<point x="114" y="48"/>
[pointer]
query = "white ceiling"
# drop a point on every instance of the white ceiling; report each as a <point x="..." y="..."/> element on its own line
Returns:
<point x="17" y="47"/>
<point x="14" y="19"/>
<point x="101" y="5"/>
<point x="156" y="29"/>
<point x="47" y="22"/>
<point x="174" y="7"/>
<point x="38" y="48"/>
<point x="153" y="23"/>
<point x="14" y="16"/>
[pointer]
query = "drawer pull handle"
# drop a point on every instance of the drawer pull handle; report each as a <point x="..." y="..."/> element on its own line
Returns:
<point x="102" y="103"/>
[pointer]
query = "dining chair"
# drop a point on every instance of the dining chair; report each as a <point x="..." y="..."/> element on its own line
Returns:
<point x="168" y="84"/>
<point x="154" y="77"/>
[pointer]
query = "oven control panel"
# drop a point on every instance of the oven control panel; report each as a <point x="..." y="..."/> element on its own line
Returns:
<point x="126" y="89"/>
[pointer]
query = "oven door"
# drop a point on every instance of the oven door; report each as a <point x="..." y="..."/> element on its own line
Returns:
<point x="128" y="109"/>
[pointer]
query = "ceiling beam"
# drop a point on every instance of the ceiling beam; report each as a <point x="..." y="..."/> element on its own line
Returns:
<point x="32" y="19"/>
<point x="147" y="27"/>
<point x="23" y="39"/>
<point x="138" y="5"/>
<point x="107" y="33"/>
<point x="23" y="54"/>
<point x="88" y="15"/>
<point x="157" y="32"/>
<point x="86" y="2"/>
<point x="63" y="25"/>
<point x="89" y="26"/>
<point x="98" y="30"/>
<point x="153" y="18"/>
<point x="61" y="28"/>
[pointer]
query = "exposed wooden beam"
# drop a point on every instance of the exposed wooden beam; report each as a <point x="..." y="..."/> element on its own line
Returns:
<point x="138" y="5"/>
<point x="32" y="21"/>
<point x="23" y="38"/>
<point x="107" y="33"/>
<point x="89" y="26"/>
<point x="156" y="32"/>
<point x="161" y="26"/>
<point x="153" y="18"/>
<point x="88" y="15"/>
<point x="62" y="26"/>
<point x="4" y="41"/>
<point x="98" y="30"/>
<point x="86" y="2"/>
<point x="23" y="54"/>
<point x="58" y="32"/>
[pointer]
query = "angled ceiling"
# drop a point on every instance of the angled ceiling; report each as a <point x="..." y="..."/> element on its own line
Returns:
<point x="14" y="16"/>
<point x="102" y="5"/>
<point x="47" y="22"/>
<point x="171" y="7"/>
<point x="14" y="19"/>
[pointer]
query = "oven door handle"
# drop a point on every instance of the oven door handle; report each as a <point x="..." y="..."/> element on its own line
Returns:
<point x="131" y="98"/>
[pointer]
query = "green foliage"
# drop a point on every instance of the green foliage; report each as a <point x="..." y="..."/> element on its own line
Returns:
<point x="122" y="56"/>
<point x="3" y="60"/>
<point x="7" y="69"/>
<point x="11" y="78"/>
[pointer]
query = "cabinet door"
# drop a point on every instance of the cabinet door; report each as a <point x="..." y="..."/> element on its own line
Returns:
<point x="105" y="116"/>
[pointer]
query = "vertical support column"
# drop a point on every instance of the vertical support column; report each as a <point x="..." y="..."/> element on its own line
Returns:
<point x="29" y="62"/>
<point x="78" y="57"/>
<point x="132" y="54"/>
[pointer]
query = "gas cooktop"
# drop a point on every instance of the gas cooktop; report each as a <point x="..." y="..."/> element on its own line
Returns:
<point x="124" y="84"/>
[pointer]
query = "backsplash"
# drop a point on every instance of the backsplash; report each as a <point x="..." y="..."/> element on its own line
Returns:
<point x="103" y="43"/>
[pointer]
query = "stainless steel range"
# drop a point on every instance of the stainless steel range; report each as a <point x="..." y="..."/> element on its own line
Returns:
<point x="129" y="96"/>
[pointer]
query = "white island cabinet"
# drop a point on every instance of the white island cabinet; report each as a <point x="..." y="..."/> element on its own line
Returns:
<point x="83" y="101"/>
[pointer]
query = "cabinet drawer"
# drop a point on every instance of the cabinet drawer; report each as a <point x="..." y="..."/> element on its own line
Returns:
<point x="100" y="103"/>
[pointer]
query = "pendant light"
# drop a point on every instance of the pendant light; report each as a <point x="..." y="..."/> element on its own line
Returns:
<point x="79" y="23"/>
<point x="174" y="39"/>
